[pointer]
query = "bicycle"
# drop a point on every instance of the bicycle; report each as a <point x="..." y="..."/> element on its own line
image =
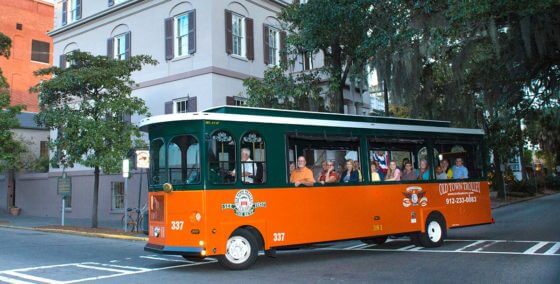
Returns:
<point x="134" y="224"/>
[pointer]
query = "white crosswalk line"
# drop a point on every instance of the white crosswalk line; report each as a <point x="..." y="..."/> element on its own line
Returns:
<point x="165" y="259"/>
<point x="31" y="277"/>
<point x="102" y="268"/>
<point x="553" y="249"/>
<point x="12" y="280"/>
<point x="470" y="245"/>
<point x="535" y="248"/>
<point x="486" y="245"/>
<point x="407" y="247"/>
<point x="356" y="246"/>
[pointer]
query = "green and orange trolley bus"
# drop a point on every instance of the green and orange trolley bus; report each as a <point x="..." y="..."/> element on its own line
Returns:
<point x="220" y="181"/>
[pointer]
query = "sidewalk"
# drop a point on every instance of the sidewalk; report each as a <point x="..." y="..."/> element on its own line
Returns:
<point x="497" y="203"/>
<point x="106" y="229"/>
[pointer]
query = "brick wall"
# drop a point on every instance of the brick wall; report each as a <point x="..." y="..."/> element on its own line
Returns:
<point x="35" y="19"/>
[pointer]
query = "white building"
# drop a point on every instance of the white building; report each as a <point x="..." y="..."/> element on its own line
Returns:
<point x="205" y="49"/>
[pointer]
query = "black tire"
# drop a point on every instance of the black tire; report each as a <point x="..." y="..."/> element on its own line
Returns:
<point x="375" y="241"/>
<point x="242" y="250"/>
<point x="435" y="234"/>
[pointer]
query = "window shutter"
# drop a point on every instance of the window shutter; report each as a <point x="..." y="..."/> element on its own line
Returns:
<point x="192" y="31"/>
<point x="283" y="52"/>
<point x="62" y="63"/>
<point x="229" y="36"/>
<point x="64" y="12"/>
<point x="169" y="107"/>
<point x="110" y="49"/>
<point x="266" y="44"/>
<point x="191" y="106"/>
<point x="168" y="24"/>
<point x="111" y="3"/>
<point x="78" y="9"/>
<point x="230" y="101"/>
<point x="127" y="44"/>
<point x="250" y="40"/>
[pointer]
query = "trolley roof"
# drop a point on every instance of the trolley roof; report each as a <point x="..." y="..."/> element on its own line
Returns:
<point x="305" y="118"/>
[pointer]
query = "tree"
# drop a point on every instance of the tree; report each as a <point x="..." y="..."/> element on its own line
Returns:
<point x="337" y="29"/>
<point x="88" y="103"/>
<point x="278" y="90"/>
<point x="11" y="149"/>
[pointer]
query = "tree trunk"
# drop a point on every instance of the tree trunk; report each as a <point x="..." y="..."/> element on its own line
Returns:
<point x="499" y="177"/>
<point x="386" y="97"/>
<point x="95" y="197"/>
<point x="11" y="194"/>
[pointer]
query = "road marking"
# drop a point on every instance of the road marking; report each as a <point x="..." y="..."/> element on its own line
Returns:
<point x="470" y="245"/>
<point x="486" y="245"/>
<point x="13" y="281"/>
<point x="407" y="247"/>
<point x="416" y="248"/>
<point x="138" y="272"/>
<point x="31" y="277"/>
<point x="165" y="259"/>
<point x="102" y="268"/>
<point x="552" y="250"/>
<point x="357" y="246"/>
<point x="118" y="266"/>
<point x="535" y="248"/>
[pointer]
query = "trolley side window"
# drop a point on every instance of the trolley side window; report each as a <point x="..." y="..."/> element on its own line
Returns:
<point x="221" y="158"/>
<point x="158" y="165"/>
<point x="184" y="160"/>
<point x="253" y="159"/>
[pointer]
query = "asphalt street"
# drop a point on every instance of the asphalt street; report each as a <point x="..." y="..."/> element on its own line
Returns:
<point x="522" y="247"/>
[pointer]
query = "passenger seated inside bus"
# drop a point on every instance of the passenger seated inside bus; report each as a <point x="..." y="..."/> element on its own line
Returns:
<point x="440" y="174"/>
<point x="404" y="162"/>
<point x="424" y="171"/>
<point x="460" y="171"/>
<point x="328" y="175"/>
<point x="350" y="174"/>
<point x="374" y="174"/>
<point x="249" y="169"/>
<point x="445" y="168"/>
<point x="393" y="174"/>
<point x="359" y="170"/>
<point x="302" y="175"/>
<point x="408" y="173"/>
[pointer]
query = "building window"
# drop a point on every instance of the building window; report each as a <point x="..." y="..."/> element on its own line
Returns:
<point x="239" y="101"/>
<point x="44" y="149"/>
<point x="274" y="46"/>
<point x="117" y="196"/>
<point x="40" y="51"/>
<point x="181" y="106"/>
<point x="119" y="46"/>
<point x="181" y="35"/>
<point x="238" y="34"/>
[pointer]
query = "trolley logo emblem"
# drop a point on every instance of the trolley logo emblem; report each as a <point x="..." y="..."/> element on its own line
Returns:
<point x="243" y="205"/>
<point x="414" y="196"/>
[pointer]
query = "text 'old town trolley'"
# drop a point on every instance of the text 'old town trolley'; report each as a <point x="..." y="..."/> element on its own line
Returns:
<point x="231" y="181"/>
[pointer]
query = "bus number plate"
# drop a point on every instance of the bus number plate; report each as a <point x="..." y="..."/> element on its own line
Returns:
<point x="278" y="237"/>
<point x="177" y="225"/>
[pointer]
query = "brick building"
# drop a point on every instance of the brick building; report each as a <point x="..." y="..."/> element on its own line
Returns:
<point x="26" y="22"/>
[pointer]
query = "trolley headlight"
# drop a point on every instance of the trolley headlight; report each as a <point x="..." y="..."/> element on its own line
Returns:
<point x="201" y="243"/>
<point x="167" y="187"/>
<point x="198" y="216"/>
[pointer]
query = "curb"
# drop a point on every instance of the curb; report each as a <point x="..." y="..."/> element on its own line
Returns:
<point x="522" y="200"/>
<point x="70" y="232"/>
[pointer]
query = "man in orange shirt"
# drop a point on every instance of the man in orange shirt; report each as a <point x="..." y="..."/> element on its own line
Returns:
<point x="302" y="175"/>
